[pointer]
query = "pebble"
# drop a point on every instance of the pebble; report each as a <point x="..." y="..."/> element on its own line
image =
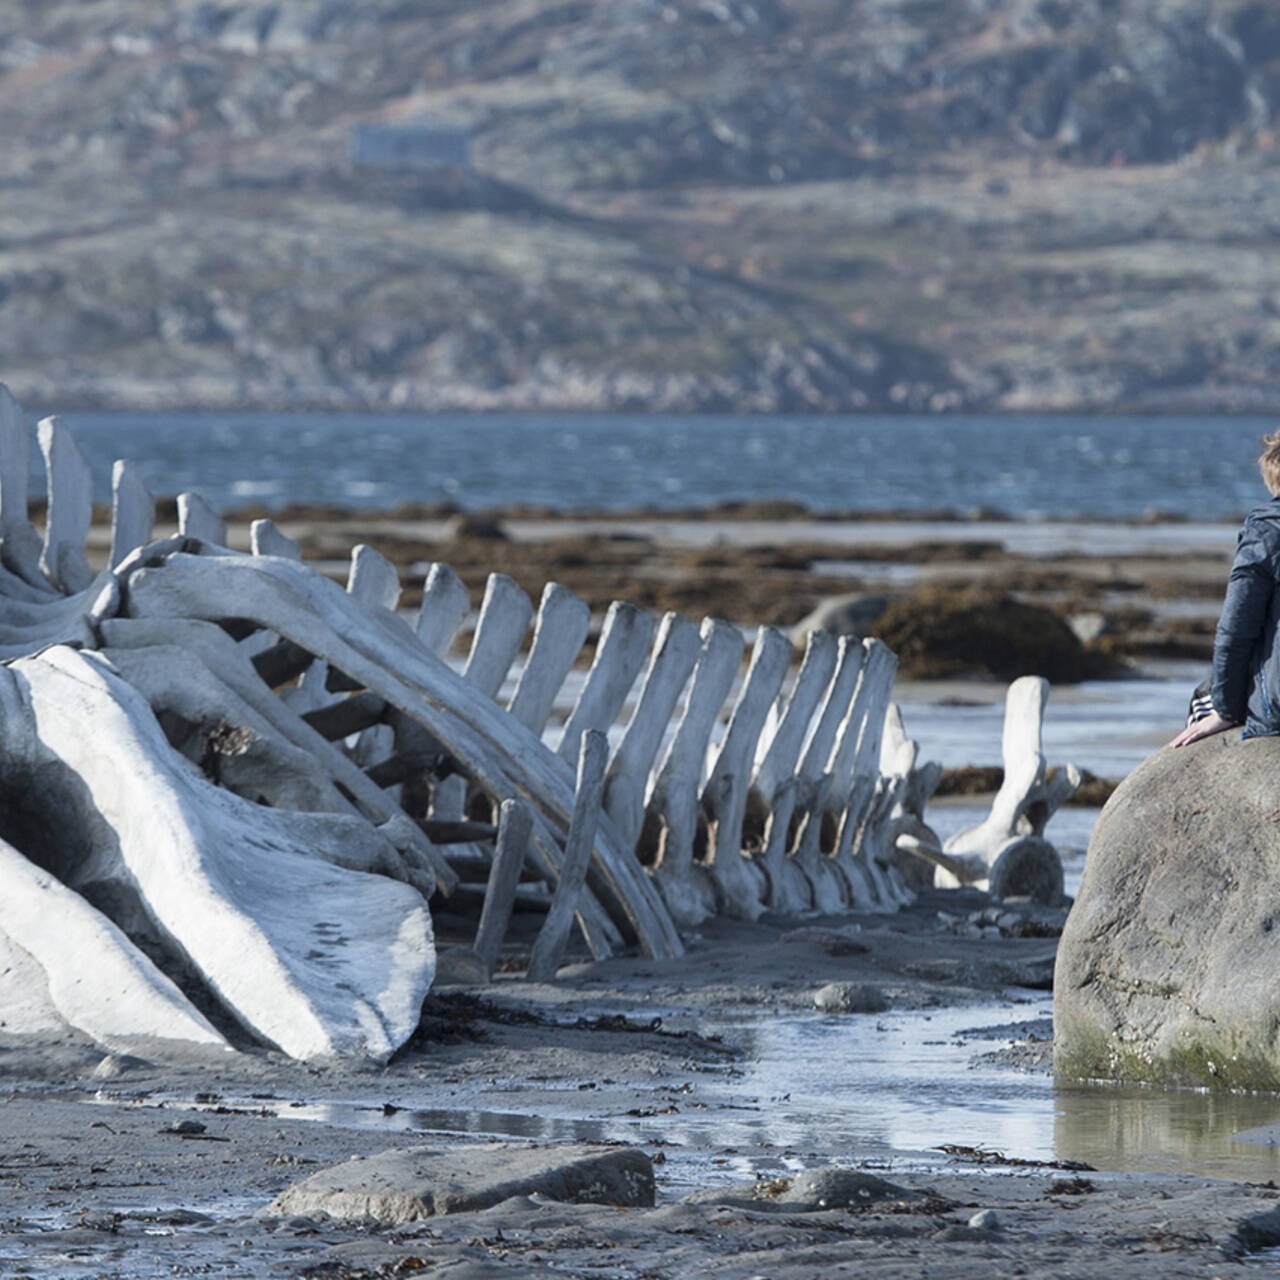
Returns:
<point x="850" y="997"/>
<point x="985" y="1220"/>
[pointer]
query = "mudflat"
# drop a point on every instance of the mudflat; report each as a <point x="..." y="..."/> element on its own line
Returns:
<point x="718" y="1067"/>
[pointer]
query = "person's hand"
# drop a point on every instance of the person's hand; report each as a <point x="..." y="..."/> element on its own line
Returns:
<point x="1205" y="727"/>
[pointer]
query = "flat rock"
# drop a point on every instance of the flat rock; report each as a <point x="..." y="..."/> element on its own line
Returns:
<point x="833" y="1188"/>
<point x="411" y="1183"/>
<point x="850" y="997"/>
<point x="1166" y="971"/>
<point x="812" y="1191"/>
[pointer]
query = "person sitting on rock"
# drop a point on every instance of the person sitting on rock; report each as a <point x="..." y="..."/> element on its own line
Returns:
<point x="1245" y="688"/>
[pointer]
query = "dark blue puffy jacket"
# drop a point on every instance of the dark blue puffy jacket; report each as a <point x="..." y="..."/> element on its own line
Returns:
<point x="1246" y="655"/>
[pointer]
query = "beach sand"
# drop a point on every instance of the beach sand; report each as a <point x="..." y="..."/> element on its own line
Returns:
<point x="98" y="1179"/>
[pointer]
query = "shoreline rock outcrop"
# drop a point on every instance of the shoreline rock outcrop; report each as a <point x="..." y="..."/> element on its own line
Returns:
<point x="1166" y="972"/>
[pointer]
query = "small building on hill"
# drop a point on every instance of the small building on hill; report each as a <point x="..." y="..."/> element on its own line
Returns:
<point x="420" y="145"/>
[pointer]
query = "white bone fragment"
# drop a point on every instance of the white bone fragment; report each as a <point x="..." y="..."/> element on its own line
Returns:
<point x="197" y="519"/>
<point x="498" y="752"/>
<point x="899" y="756"/>
<point x="445" y="603"/>
<point x="558" y="636"/>
<point x="739" y="881"/>
<point x="858" y="750"/>
<point x="375" y="582"/>
<point x="620" y="655"/>
<point x="372" y="578"/>
<point x="675" y="651"/>
<point x="265" y="539"/>
<point x="814" y="782"/>
<point x="20" y="544"/>
<point x="515" y="822"/>
<point x="777" y="756"/>
<point x="133" y="510"/>
<point x="312" y="958"/>
<point x="92" y="975"/>
<point x="500" y="630"/>
<point x="70" y="509"/>
<point x="548" y="947"/>
<point x="674" y="794"/>
<point x="1024" y="803"/>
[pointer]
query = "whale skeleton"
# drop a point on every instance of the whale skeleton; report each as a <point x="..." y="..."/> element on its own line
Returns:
<point x="232" y="778"/>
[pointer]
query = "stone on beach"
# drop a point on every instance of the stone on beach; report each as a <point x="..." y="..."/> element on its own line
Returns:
<point x="412" y="1183"/>
<point x="1166" y="971"/>
<point x="850" y="997"/>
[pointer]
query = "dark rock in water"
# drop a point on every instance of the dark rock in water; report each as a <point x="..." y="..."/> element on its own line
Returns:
<point x="1166" y="971"/>
<point x="465" y="525"/>
<point x="946" y="631"/>
<point x="420" y="1182"/>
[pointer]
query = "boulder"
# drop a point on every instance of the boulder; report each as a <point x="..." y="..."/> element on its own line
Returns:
<point x="940" y="630"/>
<point x="1166" y="971"/>
<point x="411" y="1183"/>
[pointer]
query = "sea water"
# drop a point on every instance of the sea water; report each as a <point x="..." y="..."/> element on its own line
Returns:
<point x="1026" y="467"/>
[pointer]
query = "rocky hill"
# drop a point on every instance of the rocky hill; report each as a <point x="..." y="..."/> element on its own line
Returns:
<point x="641" y="204"/>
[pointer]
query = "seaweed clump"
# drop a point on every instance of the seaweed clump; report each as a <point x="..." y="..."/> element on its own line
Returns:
<point x="939" y="631"/>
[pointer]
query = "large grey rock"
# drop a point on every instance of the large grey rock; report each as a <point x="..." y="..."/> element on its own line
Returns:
<point x="420" y="1182"/>
<point x="1167" y="967"/>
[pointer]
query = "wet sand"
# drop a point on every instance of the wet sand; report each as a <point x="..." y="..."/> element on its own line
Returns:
<point x="717" y="1066"/>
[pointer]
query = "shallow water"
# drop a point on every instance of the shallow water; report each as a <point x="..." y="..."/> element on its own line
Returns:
<point x="889" y="1091"/>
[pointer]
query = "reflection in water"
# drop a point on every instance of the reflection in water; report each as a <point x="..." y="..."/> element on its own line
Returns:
<point x="891" y="1089"/>
<point x="1135" y="1129"/>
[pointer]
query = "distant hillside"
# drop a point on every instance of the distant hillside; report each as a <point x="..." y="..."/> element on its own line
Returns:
<point x="651" y="204"/>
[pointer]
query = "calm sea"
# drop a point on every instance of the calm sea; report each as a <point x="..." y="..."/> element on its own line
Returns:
<point x="1060" y="467"/>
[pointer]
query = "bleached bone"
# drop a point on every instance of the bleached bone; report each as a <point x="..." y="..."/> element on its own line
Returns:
<point x="899" y="757"/>
<point x="444" y="605"/>
<point x="814" y="781"/>
<point x="382" y="654"/>
<point x="133" y="510"/>
<point x="265" y="539"/>
<point x="548" y="947"/>
<point x="1023" y="805"/>
<point x="214" y="649"/>
<point x="675" y="651"/>
<point x="375" y="582"/>
<point x="514" y="824"/>
<point x="739" y="881"/>
<point x="673" y="795"/>
<point x="197" y="519"/>
<point x="20" y="544"/>
<point x="85" y="969"/>
<point x="70" y="508"/>
<point x="372" y="578"/>
<point x="310" y="957"/>
<point x="500" y="630"/>
<point x="504" y="620"/>
<point x="775" y="783"/>
<point x="558" y="636"/>
<point x="864" y="729"/>
<point x="620" y="654"/>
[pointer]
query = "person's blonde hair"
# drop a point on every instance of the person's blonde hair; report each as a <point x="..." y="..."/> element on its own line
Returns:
<point x="1269" y="463"/>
